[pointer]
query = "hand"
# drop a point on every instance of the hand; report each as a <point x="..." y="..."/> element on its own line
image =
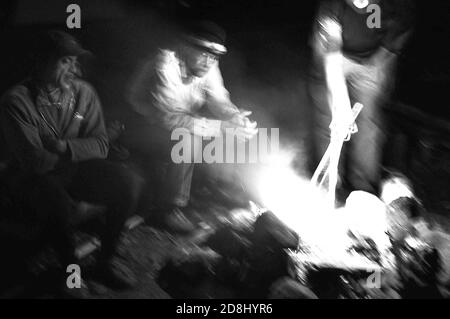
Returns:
<point x="54" y="145"/>
<point x="343" y="123"/>
<point x="241" y="118"/>
<point x="114" y="129"/>
<point x="243" y="130"/>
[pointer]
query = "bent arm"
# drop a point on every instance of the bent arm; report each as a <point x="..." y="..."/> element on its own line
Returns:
<point x="23" y="140"/>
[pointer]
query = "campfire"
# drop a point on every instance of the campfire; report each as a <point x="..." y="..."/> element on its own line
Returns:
<point x="293" y="245"/>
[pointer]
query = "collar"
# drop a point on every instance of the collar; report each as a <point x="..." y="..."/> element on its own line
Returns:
<point x="185" y="77"/>
<point x="56" y="98"/>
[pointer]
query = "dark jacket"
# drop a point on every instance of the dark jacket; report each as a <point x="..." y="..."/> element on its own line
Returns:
<point x="25" y="120"/>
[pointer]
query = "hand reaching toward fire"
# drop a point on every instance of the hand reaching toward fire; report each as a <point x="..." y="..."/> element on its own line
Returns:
<point x="241" y="126"/>
<point x="343" y="123"/>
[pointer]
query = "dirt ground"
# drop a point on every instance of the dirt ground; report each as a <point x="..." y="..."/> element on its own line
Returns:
<point x="146" y="248"/>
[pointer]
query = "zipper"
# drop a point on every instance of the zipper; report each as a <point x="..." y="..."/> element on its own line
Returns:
<point x="52" y="128"/>
<point x="49" y="125"/>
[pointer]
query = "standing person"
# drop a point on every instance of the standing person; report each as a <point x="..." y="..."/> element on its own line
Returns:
<point x="55" y="139"/>
<point x="170" y="92"/>
<point x="355" y="62"/>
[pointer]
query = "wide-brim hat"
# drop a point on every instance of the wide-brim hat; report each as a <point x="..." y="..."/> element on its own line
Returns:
<point x="58" y="44"/>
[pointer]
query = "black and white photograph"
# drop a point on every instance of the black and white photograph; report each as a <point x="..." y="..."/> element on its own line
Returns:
<point x="224" y="154"/>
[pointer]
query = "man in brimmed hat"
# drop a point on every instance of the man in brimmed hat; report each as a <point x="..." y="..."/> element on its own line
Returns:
<point x="53" y="127"/>
<point x="169" y="93"/>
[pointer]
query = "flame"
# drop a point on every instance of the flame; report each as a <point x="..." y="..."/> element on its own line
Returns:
<point x="303" y="207"/>
<point x="298" y="203"/>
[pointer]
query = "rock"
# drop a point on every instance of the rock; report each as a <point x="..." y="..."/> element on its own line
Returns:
<point x="231" y="272"/>
<point x="265" y="265"/>
<point x="288" y="288"/>
<point x="242" y="219"/>
<point x="234" y="248"/>
<point x="441" y="242"/>
<point x="367" y="217"/>
<point x="269" y="230"/>
<point x="418" y="265"/>
<point x="228" y="243"/>
<point x="400" y="218"/>
<point x="189" y="267"/>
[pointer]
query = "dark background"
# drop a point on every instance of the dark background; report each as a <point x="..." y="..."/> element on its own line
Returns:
<point x="265" y="71"/>
<point x="266" y="67"/>
<point x="267" y="41"/>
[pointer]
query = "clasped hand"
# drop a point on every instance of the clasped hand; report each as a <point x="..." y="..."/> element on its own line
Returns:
<point x="241" y="126"/>
<point x="54" y="145"/>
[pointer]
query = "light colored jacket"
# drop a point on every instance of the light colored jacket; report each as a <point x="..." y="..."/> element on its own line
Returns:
<point x="157" y="92"/>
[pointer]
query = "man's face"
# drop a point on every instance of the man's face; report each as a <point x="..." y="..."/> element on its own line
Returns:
<point x="198" y="61"/>
<point x="65" y="71"/>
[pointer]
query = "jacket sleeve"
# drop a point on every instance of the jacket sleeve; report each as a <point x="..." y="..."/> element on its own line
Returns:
<point x="154" y="95"/>
<point x="22" y="138"/>
<point x="92" y="142"/>
<point x="218" y="99"/>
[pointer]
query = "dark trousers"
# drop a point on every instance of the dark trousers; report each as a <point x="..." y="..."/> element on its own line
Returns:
<point x="46" y="203"/>
<point x="154" y="143"/>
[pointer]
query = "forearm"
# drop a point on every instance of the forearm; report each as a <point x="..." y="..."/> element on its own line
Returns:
<point x="32" y="157"/>
<point x="336" y="82"/>
<point x="195" y="125"/>
<point x="24" y="143"/>
<point x="82" y="149"/>
<point x="222" y="109"/>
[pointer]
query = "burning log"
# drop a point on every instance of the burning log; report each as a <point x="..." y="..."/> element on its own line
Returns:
<point x="229" y="244"/>
<point x="265" y="266"/>
<point x="181" y="273"/>
<point x="234" y="248"/>
<point x="270" y="231"/>
<point x="267" y="259"/>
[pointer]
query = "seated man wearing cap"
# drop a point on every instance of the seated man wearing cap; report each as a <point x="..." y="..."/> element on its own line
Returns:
<point x="169" y="92"/>
<point x="55" y="138"/>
